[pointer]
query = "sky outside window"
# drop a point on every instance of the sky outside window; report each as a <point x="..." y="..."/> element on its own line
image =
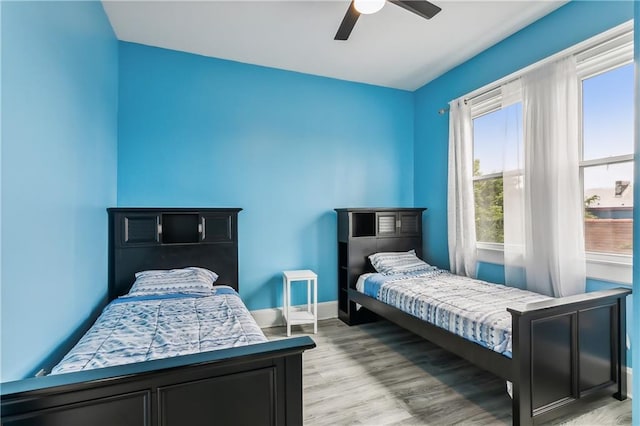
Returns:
<point x="608" y="121"/>
<point x="608" y="113"/>
<point x="497" y="140"/>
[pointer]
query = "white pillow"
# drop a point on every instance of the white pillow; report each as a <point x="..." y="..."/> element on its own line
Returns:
<point x="404" y="262"/>
<point x="190" y="280"/>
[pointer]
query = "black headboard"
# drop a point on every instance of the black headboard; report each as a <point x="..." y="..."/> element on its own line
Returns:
<point x="364" y="231"/>
<point x="166" y="238"/>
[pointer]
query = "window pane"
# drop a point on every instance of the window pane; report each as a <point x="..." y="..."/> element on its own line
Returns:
<point x="608" y="199"/>
<point x="608" y="113"/>
<point x="497" y="140"/>
<point x="497" y="148"/>
<point x="489" y="214"/>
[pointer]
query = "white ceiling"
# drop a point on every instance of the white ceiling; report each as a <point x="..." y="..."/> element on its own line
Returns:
<point x="392" y="48"/>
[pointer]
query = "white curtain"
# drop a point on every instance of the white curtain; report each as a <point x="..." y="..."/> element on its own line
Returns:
<point x="513" y="186"/>
<point x="460" y="202"/>
<point x="553" y="206"/>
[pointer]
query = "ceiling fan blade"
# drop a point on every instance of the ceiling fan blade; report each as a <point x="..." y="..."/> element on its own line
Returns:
<point x="419" y="7"/>
<point x="348" y="22"/>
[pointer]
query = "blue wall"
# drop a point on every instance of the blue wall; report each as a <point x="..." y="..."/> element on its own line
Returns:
<point x="559" y="30"/>
<point x="59" y="141"/>
<point x="286" y="147"/>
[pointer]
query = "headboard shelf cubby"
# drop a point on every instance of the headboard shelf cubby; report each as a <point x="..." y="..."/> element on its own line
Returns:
<point x="167" y="238"/>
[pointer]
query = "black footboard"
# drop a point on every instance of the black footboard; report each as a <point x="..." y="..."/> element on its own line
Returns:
<point x="256" y="384"/>
<point x="566" y="350"/>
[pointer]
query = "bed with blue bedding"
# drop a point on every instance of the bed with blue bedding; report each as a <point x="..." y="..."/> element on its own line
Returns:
<point x="144" y="328"/>
<point x="556" y="352"/>
<point x="473" y="309"/>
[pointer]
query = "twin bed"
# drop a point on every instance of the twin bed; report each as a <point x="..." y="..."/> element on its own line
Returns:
<point x="553" y="353"/>
<point x="556" y="353"/>
<point x="178" y="347"/>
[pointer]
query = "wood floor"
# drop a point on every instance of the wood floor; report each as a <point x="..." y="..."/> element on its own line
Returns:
<point x="380" y="374"/>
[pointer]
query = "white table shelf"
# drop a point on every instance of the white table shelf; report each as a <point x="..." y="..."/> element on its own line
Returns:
<point x="296" y="316"/>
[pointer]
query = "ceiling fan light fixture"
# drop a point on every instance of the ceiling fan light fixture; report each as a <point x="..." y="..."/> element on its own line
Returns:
<point x="367" y="7"/>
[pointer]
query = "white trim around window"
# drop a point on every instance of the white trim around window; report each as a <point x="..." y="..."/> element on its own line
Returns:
<point x="607" y="161"/>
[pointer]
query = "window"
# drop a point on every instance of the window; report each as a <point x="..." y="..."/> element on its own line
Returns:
<point x="607" y="160"/>
<point x="497" y="139"/>
<point x="605" y="67"/>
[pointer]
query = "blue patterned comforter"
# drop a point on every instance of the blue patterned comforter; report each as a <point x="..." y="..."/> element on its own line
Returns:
<point x="134" y="329"/>
<point x="473" y="309"/>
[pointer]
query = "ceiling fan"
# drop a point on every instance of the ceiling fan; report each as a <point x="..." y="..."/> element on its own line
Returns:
<point x="357" y="7"/>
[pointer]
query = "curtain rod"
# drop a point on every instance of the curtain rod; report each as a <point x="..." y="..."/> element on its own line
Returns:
<point x="446" y="109"/>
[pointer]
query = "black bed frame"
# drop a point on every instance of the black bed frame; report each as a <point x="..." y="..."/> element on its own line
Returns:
<point x="565" y="351"/>
<point x="248" y="385"/>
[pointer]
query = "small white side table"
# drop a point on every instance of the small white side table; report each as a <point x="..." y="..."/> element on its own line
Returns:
<point x="295" y="317"/>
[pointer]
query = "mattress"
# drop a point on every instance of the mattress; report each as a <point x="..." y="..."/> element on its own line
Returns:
<point x="473" y="309"/>
<point x="135" y="329"/>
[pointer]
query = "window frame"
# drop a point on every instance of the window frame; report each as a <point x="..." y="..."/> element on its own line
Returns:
<point x="619" y="265"/>
<point x="598" y="55"/>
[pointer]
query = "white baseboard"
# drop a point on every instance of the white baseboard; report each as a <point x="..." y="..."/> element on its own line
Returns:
<point x="273" y="317"/>
<point x="629" y="382"/>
